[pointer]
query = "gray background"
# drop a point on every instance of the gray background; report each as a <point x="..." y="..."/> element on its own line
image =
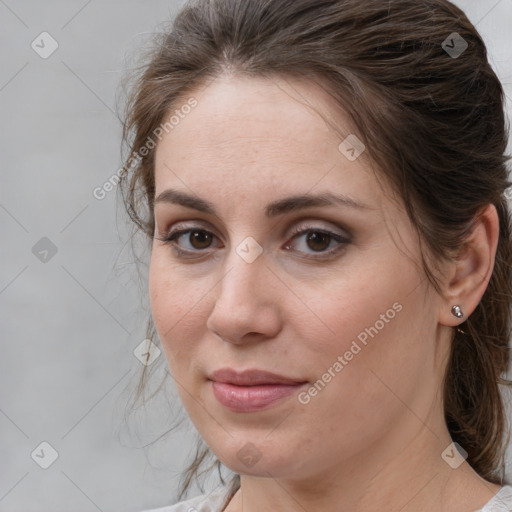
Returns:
<point x="70" y="324"/>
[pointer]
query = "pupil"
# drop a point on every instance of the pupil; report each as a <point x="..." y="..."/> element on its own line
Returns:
<point x="317" y="238"/>
<point x="201" y="236"/>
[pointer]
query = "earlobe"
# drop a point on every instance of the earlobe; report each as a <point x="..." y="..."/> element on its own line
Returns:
<point x="471" y="271"/>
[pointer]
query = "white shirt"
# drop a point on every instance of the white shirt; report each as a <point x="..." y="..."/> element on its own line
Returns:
<point x="212" y="502"/>
<point x="216" y="500"/>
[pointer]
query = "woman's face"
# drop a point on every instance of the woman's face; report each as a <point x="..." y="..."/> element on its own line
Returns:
<point x="326" y="293"/>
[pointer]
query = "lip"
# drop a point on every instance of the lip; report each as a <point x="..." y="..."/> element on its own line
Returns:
<point x="251" y="390"/>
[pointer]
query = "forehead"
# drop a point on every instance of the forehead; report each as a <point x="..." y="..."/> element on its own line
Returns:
<point x="244" y="131"/>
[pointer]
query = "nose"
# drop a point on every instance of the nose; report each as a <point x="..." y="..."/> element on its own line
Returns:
<point x="246" y="306"/>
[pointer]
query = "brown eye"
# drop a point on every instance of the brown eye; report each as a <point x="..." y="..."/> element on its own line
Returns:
<point x="308" y="241"/>
<point x="312" y="243"/>
<point x="189" y="242"/>
<point x="318" y="241"/>
<point x="200" y="239"/>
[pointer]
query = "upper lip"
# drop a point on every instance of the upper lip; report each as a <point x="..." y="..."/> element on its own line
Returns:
<point x="250" y="377"/>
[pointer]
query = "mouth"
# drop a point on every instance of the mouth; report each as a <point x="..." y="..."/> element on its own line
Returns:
<point x="251" y="390"/>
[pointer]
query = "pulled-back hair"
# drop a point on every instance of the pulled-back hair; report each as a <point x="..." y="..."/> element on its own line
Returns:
<point x="432" y="121"/>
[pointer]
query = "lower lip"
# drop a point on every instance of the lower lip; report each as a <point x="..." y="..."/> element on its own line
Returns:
<point x="251" y="398"/>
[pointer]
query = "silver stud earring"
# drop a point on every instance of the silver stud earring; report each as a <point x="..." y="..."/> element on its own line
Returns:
<point x="457" y="312"/>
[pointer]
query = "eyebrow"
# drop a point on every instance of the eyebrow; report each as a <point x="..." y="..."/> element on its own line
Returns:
<point x="273" y="209"/>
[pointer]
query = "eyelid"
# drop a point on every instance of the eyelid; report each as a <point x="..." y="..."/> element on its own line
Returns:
<point x="299" y="224"/>
<point x="342" y="239"/>
<point x="303" y="225"/>
<point x="311" y="226"/>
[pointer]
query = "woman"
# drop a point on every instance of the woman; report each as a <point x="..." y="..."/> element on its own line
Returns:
<point x="323" y="184"/>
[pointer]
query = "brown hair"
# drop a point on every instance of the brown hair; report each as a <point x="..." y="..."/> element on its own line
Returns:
<point x="432" y="121"/>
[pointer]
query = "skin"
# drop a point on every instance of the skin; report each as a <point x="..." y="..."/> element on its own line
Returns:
<point x="372" y="439"/>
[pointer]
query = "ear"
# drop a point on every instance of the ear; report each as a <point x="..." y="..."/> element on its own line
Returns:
<point x="469" y="273"/>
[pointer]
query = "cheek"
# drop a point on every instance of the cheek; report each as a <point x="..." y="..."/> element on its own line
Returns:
<point x="359" y="306"/>
<point x="370" y="320"/>
<point x="174" y="304"/>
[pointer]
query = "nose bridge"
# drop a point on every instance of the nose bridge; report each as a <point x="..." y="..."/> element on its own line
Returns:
<point x="245" y="269"/>
<point x="242" y="301"/>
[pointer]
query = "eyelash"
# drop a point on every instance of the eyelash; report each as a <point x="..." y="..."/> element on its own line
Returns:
<point x="301" y="230"/>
